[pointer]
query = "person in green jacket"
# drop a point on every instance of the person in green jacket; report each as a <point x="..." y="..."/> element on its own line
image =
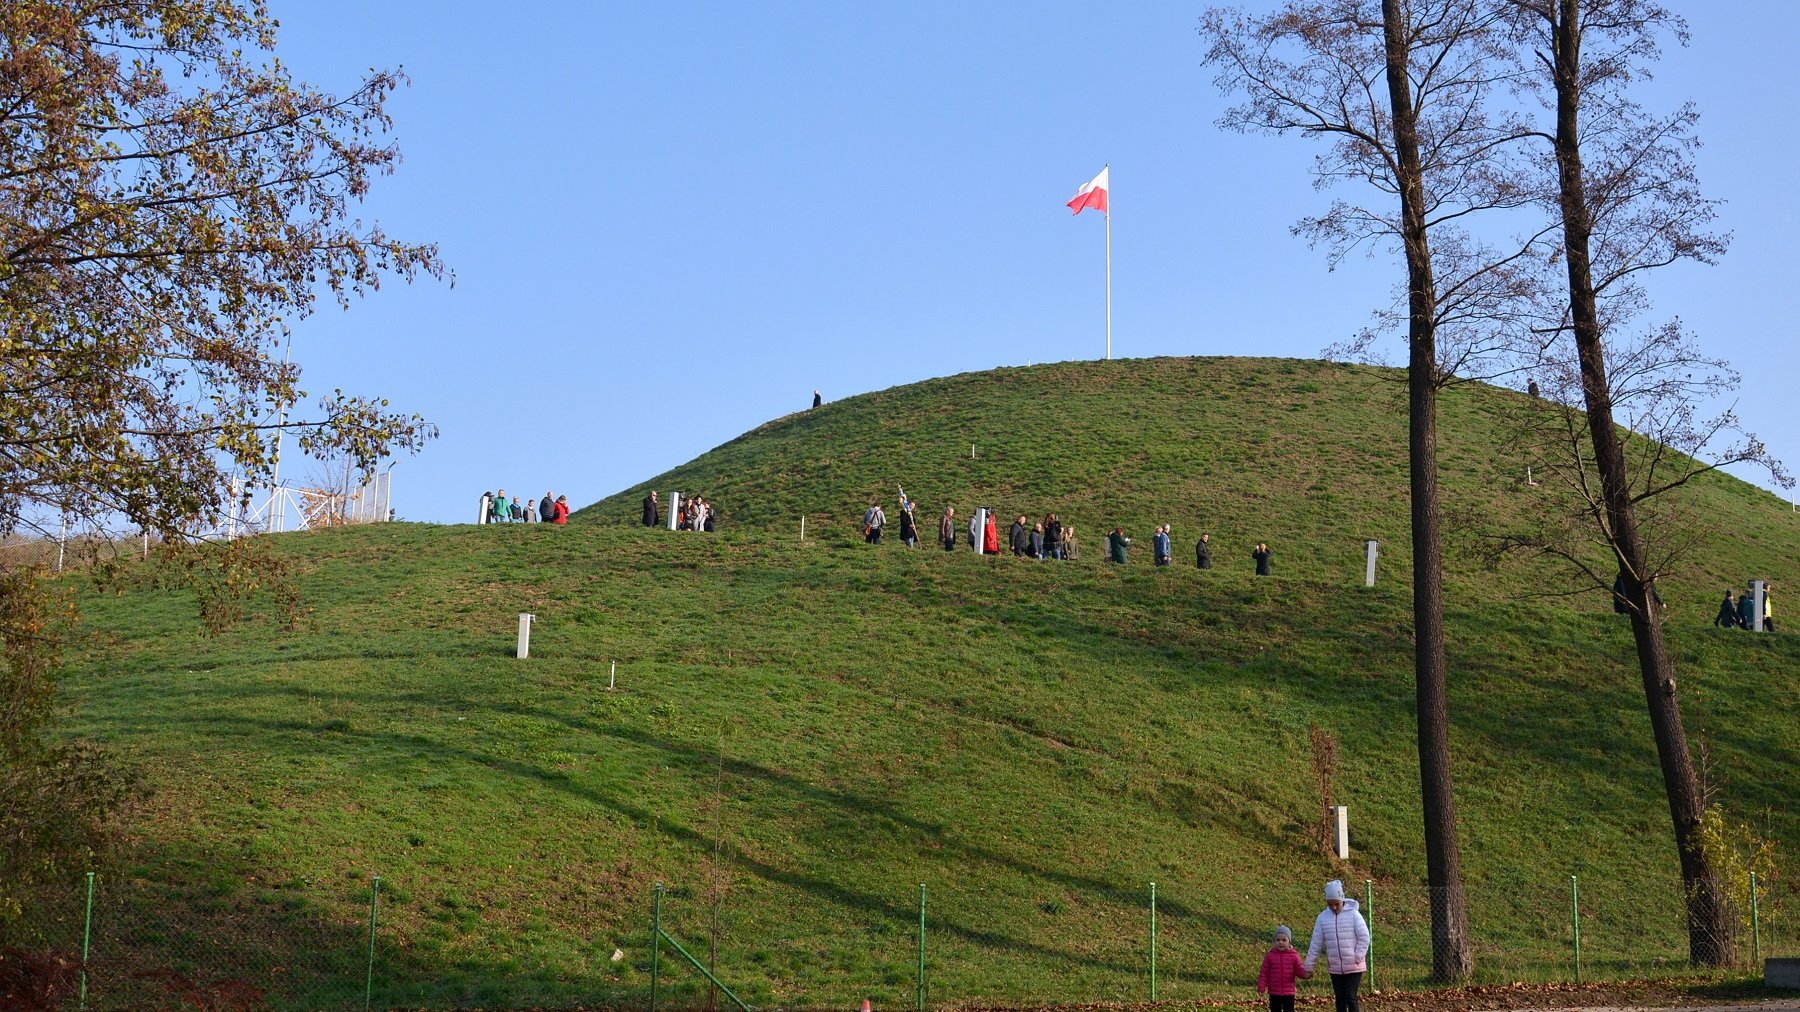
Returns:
<point x="502" y="511"/>
<point x="1115" y="544"/>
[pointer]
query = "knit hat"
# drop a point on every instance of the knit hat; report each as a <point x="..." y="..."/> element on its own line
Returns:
<point x="1334" y="890"/>
<point x="1283" y="932"/>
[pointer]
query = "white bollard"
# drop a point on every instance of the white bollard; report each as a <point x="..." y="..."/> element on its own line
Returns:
<point x="802" y="528"/>
<point x="1371" y="549"/>
<point x="613" y="679"/>
<point x="525" y="620"/>
<point x="1759" y="588"/>
<point x="1340" y="837"/>
<point x="487" y="504"/>
<point x="674" y="509"/>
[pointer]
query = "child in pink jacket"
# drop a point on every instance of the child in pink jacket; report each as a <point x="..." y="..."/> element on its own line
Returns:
<point x="1279" y="970"/>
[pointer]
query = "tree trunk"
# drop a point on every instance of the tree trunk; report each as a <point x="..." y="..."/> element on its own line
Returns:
<point x="1452" y="960"/>
<point x="1709" y="924"/>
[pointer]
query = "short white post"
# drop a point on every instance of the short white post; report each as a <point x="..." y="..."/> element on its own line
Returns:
<point x="525" y="619"/>
<point x="1371" y="549"/>
<point x="971" y="451"/>
<point x="802" y="528"/>
<point x="146" y="544"/>
<point x="1340" y="837"/>
<point x="674" y="509"/>
<point x="1759" y="588"/>
<point x="980" y="531"/>
<point x="613" y="679"/>
<point x="487" y="505"/>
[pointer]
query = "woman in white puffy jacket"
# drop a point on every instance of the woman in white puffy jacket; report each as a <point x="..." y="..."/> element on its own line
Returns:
<point x="1344" y="936"/>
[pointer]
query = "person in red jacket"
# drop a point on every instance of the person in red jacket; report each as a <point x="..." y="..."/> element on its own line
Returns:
<point x="561" y="516"/>
<point x="990" y="537"/>
<point x="1280" y="968"/>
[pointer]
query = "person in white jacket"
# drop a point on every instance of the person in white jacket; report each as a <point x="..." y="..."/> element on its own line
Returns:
<point x="1344" y="936"/>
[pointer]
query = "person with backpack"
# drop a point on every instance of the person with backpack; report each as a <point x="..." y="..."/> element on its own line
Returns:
<point x="873" y="521"/>
<point x="909" y="527"/>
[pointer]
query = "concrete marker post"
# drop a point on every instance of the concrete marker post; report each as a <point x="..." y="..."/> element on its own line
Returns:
<point x="1371" y="549"/>
<point x="674" y="509"/>
<point x="525" y="620"/>
<point x="1757" y="587"/>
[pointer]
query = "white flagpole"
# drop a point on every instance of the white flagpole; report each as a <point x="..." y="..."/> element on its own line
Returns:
<point x="1108" y="166"/>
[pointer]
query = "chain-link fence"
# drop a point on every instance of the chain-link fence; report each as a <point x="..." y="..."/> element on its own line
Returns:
<point x="154" y="944"/>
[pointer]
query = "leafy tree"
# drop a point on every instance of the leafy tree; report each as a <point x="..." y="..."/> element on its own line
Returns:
<point x="1401" y="91"/>
<point x="170" y="200"/>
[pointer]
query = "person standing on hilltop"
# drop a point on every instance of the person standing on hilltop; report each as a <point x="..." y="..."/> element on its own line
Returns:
<point x="546" y="508"/>
<point x="650" y="509"/>
<point x="873" y="521"/>
<point x="1747" y="610"/>
<point x="1768" y="607"/>
<point x="1203" y="552"/>
<point x="1053" y="547"/>
<point x="975" y="530"/>
<point x="502" y="512"/>
<point x="1016" y="537"/>
<point x="561" y="515"/>
<point x="909" y="527"/>
<point x="990" y="537"/>
<point x="947" y="529"/>
<point x="1262" y="555"/>
<point x="1160" y="547"/>
<point x="817" y="400"/>
<point x="1116" y="545"/>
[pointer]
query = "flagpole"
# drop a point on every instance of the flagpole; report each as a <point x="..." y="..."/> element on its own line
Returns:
<point x="1108" y="264"/>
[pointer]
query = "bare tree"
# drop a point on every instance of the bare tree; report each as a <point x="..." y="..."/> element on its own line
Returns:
<point x="1621" y="185"/>
<point x="1400" y="89"/>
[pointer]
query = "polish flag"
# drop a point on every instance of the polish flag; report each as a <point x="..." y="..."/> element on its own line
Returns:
<point x="1093" y="193"/>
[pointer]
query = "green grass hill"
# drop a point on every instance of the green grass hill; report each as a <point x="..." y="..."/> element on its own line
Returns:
<point x="804" y="732"/>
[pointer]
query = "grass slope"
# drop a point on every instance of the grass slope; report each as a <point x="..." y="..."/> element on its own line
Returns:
<point x="806" y="732"/>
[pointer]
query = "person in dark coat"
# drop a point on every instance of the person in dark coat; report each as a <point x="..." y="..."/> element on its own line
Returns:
<point x="1017" y="538"/>
<point x="947" y="529"/>
<point x="1262" y="555"/>
<point x="1116" y="544"/>
<point x="1747" y="610"/>
<point x="546" y="508"/>
<point x="650" y="509"/>
<point x="1727" y="612"/>
<point x="909" y="528"/>
<point x="1052" y="537"/>
<point x="1159" y="543"/>
<point x="1203" y="552"/>
<point x="817" y="400"/>
<point x="1034" y="547"/>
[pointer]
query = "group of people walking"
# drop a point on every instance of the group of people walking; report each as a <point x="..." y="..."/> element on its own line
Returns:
<point x="496" y="508"/>
<point x="694" y="513"/>
<point x="1340" y="935"/>
<point x="1026" y="538"/>
<point x="1741" y="614"/>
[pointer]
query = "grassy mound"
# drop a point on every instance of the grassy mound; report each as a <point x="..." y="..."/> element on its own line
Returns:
<point x="803" y="733"/>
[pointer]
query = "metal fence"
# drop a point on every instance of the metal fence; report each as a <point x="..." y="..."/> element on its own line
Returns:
<point x="150" y="944"/>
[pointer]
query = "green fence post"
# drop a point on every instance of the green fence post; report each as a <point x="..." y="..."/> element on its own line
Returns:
<point x="87" y="932"/>
<point x="374" y="906"/>
<point x="921" y="991"/>
<point x="1755" y="927"/>
<point x="1369" y="918"/>
<point x="1153" y="941"/>
<point x="1575" y="921"/>
<point x="655" y="944"/>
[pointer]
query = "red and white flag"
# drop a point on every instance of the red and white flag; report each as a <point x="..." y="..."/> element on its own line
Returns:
<point x="1093" y="193"/>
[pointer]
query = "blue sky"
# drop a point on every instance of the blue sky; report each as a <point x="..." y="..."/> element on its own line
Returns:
<point x="670" y="223"/>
